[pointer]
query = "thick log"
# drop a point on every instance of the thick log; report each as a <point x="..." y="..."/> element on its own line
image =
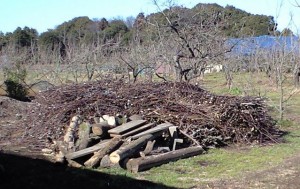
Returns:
<point x="111" y="146"/>
<point x="126" y="127"/>
<point x="83" y="136"/>
<point x="156" y="129"/>
<point x="138" y="130"/>
<point x="130" y="149"/>
<point x="87" y="151"/>
<point x="106" y="163"/>
<point x="143" y="163"/>
<point x="101" y="128"/>
<point x="111" y="120"/>
<point x="97" y="129"/>
<point x="135" y="131"/>
<point x="69" y="137"/>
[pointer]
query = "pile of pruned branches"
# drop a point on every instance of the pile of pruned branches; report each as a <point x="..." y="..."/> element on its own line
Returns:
<point x="203" y="118"/>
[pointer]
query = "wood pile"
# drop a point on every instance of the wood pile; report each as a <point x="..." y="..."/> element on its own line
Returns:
<point x="134" y="144"/>
<point x="200" y="117"/>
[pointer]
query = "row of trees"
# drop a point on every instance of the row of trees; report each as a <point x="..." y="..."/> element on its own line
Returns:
<point x="176" y="40"/>
<point x="234" y="23"/>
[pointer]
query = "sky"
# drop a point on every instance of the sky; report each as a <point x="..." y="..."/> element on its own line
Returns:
<point x="47" y="14"/>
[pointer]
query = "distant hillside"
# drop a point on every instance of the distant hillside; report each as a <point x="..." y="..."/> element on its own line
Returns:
<point x="223" y="21"/>
<point x="231" y="21"/>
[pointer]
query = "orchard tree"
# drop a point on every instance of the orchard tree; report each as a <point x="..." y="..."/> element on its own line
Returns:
<point x="197" y="36"/>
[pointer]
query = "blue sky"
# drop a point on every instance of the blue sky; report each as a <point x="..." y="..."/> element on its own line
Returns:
<point x="46" y="14"/>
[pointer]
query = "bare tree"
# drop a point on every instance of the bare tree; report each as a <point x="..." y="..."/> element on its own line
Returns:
<point x="195" y="44"/>
<point x="139" y="58"/>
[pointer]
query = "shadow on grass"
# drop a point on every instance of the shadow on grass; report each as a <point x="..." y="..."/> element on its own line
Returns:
<point x="23" y="172"/>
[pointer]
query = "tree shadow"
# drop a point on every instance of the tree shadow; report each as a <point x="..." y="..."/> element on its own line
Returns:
<point x="23" y="172"/>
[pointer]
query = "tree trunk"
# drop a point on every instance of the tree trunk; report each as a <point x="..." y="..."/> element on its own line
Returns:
<point x="69" y="137"/>
<point x="144" y="163"/>
<point x="297" y="78"/>
<point x="83" y="136"/>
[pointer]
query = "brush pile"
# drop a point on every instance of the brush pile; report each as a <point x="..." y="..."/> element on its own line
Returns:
<point x="141" y="125"/>
<point x="209" y="120"/>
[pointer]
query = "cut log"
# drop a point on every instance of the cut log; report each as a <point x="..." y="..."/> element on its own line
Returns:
<point x="101" y="128"/>
<point x="135" y="131"/>
<point x="104" y="118"/>
<point x="83" y="136"/>
<point x="121" y="119"/>
<point x="69" y="137"/>
<point x="72" y="163"/>
<point x="87" y="151"/>
<point x="111" y="146"/>
<point x="156" y="129"/>
<point x="138" y="130"/>
<point x="97" y="129"/>
<point x="111" y="121"/>
<point x="130" y="149"/>
<point x="126" y="127"/>
<point x="115" y="135"/>
<point x="143" y="163"/>
<point x="106" y="163"/>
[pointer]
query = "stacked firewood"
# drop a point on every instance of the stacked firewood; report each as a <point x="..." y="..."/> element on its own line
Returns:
<point x="132" y="143"/>
<point x="206" y="119"/>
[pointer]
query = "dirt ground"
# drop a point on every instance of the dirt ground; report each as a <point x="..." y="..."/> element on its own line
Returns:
<point x="12" y="112"/>
<point x="19" y="170"/>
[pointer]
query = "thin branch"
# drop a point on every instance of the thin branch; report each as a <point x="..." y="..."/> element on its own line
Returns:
<point x="161" y="77"/>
